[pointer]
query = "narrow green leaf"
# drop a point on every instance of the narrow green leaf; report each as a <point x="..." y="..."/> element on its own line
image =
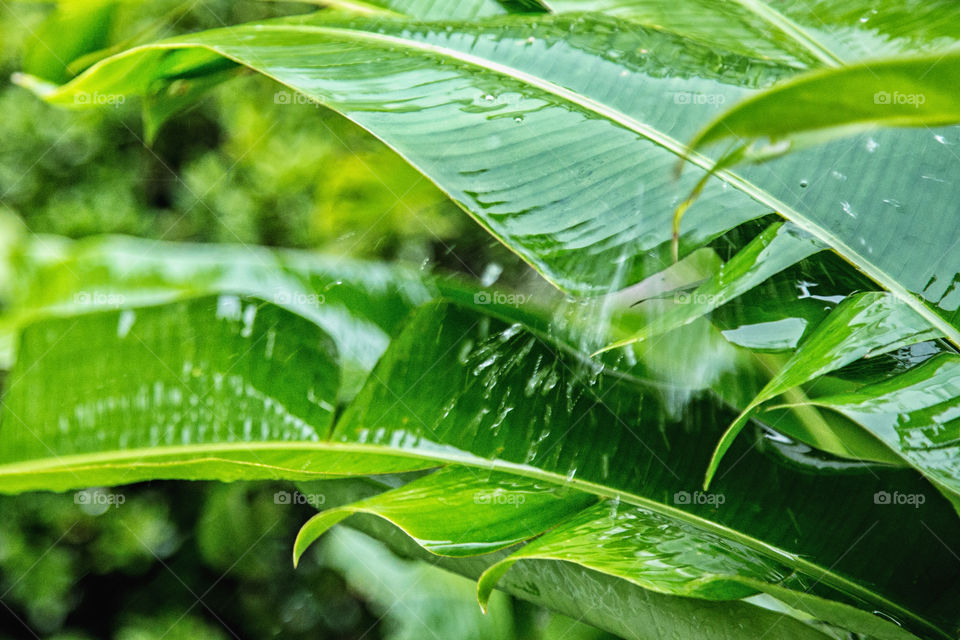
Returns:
<point x="916" y="415"/>
<point x="863" y="325"/>
<point x="618" y="606"/>
<point x="778" y="247"/>
<point x="70" y="31"/>
<point x="902" y="92"/>
<point x="810" y="33"/>
<point x="458" y="511"/>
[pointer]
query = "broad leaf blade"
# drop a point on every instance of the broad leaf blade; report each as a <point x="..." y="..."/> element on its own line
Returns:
<point x="579" y="140"/>
<point x="581" y="120"/>
<point x="671" y="557"/>
<point x="217" y="388"/>
<point x="490" y="395"/>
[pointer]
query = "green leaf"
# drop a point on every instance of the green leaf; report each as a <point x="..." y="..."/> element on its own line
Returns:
<point x="359" y="304"/>
<point x="901" y="92"/>
<point x="863" y="325"/>
<point x="616" y="605"/>
<point x="778" y="247"/>
<point x="75" y="28"/>
<point x="499" y="99"/>
<point x="219" y="388"/>
<point x="455" y="387"/>
<point x="504" y="385"/>
<point x="915" y="414"/>
<point x="585" y="101"/>
<point x="811" y="33"/>
<point x="459" y="511"/>
<point x="671" y="557"/>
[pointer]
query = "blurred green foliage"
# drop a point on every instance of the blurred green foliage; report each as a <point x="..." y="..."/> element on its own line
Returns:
<point x="252" y="164"/>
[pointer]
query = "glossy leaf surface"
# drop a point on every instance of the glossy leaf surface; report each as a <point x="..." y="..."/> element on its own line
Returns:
<point x="901" y="92"/>
<point x="916" y="415"/>
<point x="522" y="85"/>
<point x="459" y="511"/>
<point x="778" y="247"/>
<point x="481" y="393"/>
<point x="862" y="325"/>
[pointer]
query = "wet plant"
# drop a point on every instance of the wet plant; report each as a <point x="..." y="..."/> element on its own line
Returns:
<point x="733" y="414"/>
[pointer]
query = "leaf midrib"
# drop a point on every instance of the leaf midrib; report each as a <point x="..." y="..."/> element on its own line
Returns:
<point x="791" y="29"/>
<point x="87" y="461"/>
<point x="617" y="117"/>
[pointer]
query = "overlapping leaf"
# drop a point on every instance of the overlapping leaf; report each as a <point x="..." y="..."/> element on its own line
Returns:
<point x="863" y="325"/>
<point x="479" y="392"/>
<point x="523" y="86"/>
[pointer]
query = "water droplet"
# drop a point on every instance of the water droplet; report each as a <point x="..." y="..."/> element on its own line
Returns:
<point x="940" y="139"/>
<point x="872" y="145"/>
<point x="490" y="274"/>
<point x="803" y="184"/>
<point x="848" y="209"/>
<point x="489" y="97"/>
<point x="518" y="119"/>
<point x="125" y="323"/>
<point x="531" y="40"/>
